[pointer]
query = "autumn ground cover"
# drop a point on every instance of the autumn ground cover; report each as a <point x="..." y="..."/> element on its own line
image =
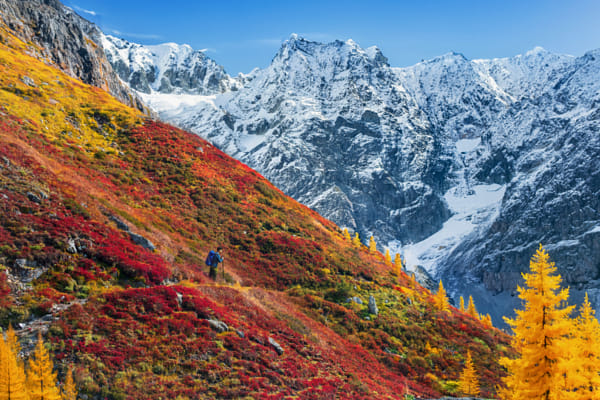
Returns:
<point x="80" y="173"/>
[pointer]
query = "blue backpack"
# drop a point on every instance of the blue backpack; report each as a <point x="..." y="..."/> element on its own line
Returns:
<point x="210" y="258"/>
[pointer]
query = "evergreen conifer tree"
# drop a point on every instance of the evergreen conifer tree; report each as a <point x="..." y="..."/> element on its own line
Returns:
<point x="13" y="343"/>
<point x="41" y="379"/>
<point x="398" y="263"/>
<point x="581" y="367"/>
<point x="347" y="235"/>
<point x="539" y="333"/>
<point x="469" y="383"/>
<point x="487" y="320"/>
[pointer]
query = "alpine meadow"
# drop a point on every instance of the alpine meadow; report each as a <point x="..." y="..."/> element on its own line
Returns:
<point x="326" y="227"/>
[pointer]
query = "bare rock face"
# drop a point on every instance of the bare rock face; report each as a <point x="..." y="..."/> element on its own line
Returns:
<point x="67" y="40"/>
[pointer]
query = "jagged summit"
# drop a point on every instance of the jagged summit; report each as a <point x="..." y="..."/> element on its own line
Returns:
<point x="336" y="49"/>
<point x="592" y="54"/>
<point x="451" y="56"/>
<point x="167" y="68"/>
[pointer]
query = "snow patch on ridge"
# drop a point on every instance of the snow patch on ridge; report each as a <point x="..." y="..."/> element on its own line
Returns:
<point x="164" y="102"/>
<point x="466" y="145"/>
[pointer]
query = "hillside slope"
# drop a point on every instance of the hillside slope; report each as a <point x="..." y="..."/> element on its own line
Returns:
<point x="106" y="218"/>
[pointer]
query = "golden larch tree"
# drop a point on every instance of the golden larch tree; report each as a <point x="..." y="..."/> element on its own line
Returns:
<point x="13" y="343"/>
<point x="356" y="241"/>
<point x="581" y="379"/>
<point x="398" y="263"/>
<point x="468" y="382"/>
<point x="471" y="310"/>
<point x="388" y="257"/>
<point x="41" y="379"/>
<point x="440" y="300"/>
<point x="69" y="391"/>
<point x="372" y="245"/>
<point x="347" y="235"/>
<point x="487" y="320"/>
<point x="461" y="304"/>
<point x="539" y="333"/>
<point x="12" y="375"/>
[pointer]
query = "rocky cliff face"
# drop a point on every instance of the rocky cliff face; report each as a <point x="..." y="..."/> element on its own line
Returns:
<point x="550" y="150"/>
<point x="65" y="39"/>
<point x="464" y="166"/>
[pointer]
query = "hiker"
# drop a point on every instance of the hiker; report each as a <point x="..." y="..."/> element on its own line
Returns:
<point x="213" y="260"/>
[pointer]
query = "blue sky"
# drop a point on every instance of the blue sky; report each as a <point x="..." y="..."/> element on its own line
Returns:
<point x="241" y="35"/>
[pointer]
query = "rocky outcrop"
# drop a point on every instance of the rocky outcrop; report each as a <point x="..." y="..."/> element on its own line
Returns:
<point x="67" y="40"/>
<point x="276" y="346"/>
<point x="354" y="299"/>
<point x="135" y="237"/>
<point x="218" y="326"/>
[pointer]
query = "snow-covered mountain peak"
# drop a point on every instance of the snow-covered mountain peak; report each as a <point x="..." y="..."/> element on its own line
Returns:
<point x="450" y="57"/>
<point x="172" y="48"/>
<point x="341" y="53"/>
<point x="592" y="54"/>
<point x="167" y="68"/>
<point x="537" y="51"/>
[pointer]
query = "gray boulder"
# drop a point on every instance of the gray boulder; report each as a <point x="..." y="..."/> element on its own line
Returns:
<point x="120" y="223"/>
<point x="142" y="241"/>
<point x="373" y="306"/>
<point x="276" y="346"/>
<point x="28" y="81"/>
<point x="218" y="326"/>
<point x="354" y="299"/>
<point x="72" y="246"/>
<point x="34" y="197"/>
